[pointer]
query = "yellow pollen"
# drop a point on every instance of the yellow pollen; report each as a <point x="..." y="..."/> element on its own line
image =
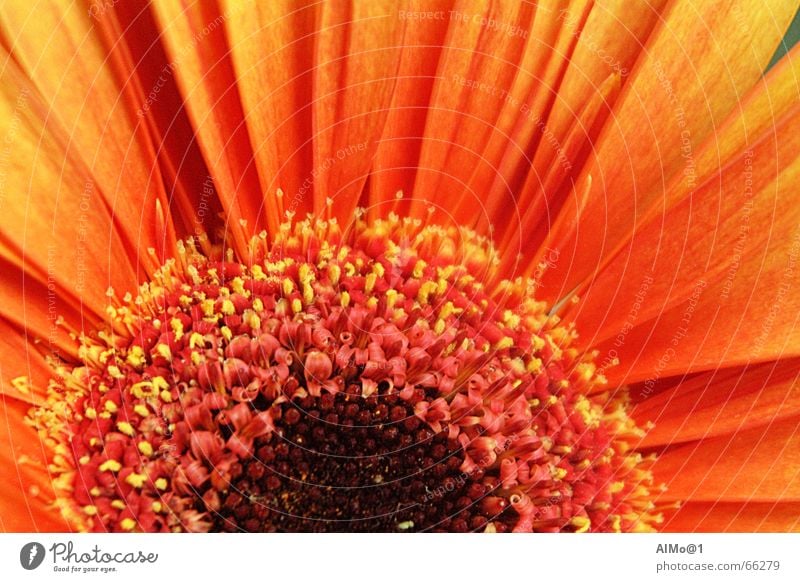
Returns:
<point x="534" y="366"/>
<point x="238" y="286"/>
<point x="145" y="448"/>
<point x="369" y="282"/>
<point x="126" y="428"/>
<point x="308" y="293"/>
<point x="142" y="389"/>
<point x="127" y="524"/>
<point x="581" y="523"/>
<point x="141" y="410"/>
<point x="136" y="357"/>
<point x="207" y="307"/>
<point x="511" y="319"/>
<point x="304" y="273"/>
<point x="160" y="383"/>
<point x="115" y="373"/>
<point x="161" y="483"/>
<point x="334" y="272"/>
<point x="252" y="320"/>
<point x="22" y="384"/>
<point x="425" y="291"/>
<point x="177" y="327"/>
<point x="391" y="298"/>
<point x="111" y="406"/>
<point x="164" y="351"/>
<point x="196" y="340"/>
<point x="345" y="299"/>
<point x="228" y="307"/>
<point x="136" y="480"/>
<point x="258" y="273"/>
<point x="505" y="343"/>
<point x="90" y="510"/>
<point x="110" y="465"/>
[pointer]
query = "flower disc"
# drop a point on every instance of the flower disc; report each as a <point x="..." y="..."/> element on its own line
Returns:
<point x="377" y="379"/>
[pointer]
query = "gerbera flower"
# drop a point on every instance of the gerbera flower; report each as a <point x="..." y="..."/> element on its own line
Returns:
<point x="430" y="266"/>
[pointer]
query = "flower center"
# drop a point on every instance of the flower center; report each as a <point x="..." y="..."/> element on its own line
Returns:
<point x="369" y="380"/>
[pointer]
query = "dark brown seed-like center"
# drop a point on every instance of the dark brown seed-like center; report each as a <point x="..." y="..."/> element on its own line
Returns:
<point x="348" y="463"/>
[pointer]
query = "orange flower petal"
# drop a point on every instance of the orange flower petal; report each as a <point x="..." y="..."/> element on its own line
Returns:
<point x="195" y="40"/>
<point x="275" y="41"/>
<point x="77" y="73"/>
<point x="42" y="312"/>
<point x="697" y="66"/>
<point x="760" y="464"/>
<point x="55" y="226"/>
<point x="484" y="77"/>
<point x="27" y="492"/>
<point x="609" y="44"/>
<point x="734" y="517"/>
<point x="756" y="119"/>
<point x="721" y="402"/>
<point x="194" y="205"/>
<point x="20" y="358"/>
<point x="713" y="288"/>
<point x="614" y="294"/>
<point x="358" y="50"/>
<point x="399" y="147"/>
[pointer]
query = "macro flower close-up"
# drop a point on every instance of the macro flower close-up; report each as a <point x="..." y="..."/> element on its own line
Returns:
<point x="399" y="266"/>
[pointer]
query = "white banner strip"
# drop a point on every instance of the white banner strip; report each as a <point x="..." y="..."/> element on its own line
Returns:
<point x="353" y="557"/>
